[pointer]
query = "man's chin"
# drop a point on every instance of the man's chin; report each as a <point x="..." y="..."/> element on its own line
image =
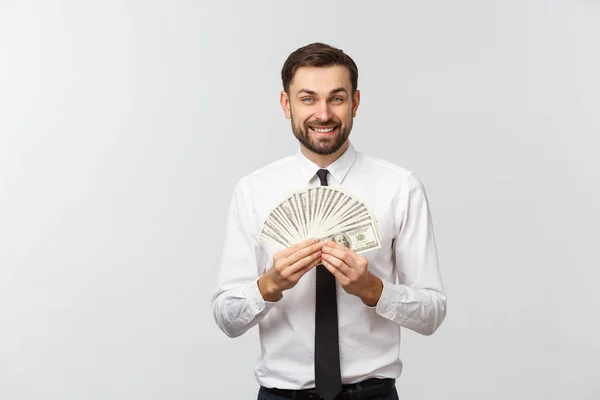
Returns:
<point x="319" y="145"/>
<point x="322" y="152"/>
<point x="325" y="149"/>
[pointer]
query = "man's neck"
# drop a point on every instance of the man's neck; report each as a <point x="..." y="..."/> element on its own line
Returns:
<point x="324" y="161"/>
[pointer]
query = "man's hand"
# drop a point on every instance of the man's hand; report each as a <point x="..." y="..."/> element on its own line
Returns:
<point x="350" y="269"/>
<point x="289" y="265"/>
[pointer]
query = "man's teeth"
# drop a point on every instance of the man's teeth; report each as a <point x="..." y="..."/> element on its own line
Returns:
<point x="323" y="130"/>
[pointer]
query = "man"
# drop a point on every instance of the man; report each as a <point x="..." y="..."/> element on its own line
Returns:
<point x="329" y="319"/>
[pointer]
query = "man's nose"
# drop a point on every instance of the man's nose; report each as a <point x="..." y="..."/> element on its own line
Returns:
<point x="324" y="111"/>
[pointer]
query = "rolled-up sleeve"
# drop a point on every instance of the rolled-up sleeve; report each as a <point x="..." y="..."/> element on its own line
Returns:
<point x="417" y="301"/>
<point x="237" y="303"/>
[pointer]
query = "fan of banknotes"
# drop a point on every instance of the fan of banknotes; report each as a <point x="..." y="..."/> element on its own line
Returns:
<point x="323" y="212"/>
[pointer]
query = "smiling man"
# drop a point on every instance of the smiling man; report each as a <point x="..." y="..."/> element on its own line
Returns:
<point x="329" y="318"/>
<point x="321" y="116"/>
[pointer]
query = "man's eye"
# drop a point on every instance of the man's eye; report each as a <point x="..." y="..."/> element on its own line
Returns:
<point x="337" y="99"/>
<point x="307" y="100"/>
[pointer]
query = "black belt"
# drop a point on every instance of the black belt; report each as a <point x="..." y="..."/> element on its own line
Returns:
<point x="369" y="389"/>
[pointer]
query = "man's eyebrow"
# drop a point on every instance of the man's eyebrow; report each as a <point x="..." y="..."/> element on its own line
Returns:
<point x="307" y="91"/>
<point x="338" y="90"/>
<point x="313" y="93"/>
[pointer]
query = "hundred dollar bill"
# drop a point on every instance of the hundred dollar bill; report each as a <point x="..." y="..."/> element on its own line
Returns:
<point x="294" y="208"/>
<point x="342" y="206"/>
<point x="360" y="213"/>
<point x="310" y="196"/>
<point x="376" y="222"/>
<point x="324" y="195"/>
<point x="289" y="216"/>
<point x="351" y="210"/>
<point x="278" y="217"/>
<point x="359" y="238"/>
<point x="327" y="201"/>
<point x="337" y="196"/>
<point x="301" y="212"/>
<point x="276" y="228"/>
<point x="351" y="224"/>
<point x="267" y="234"/>
<point x="305" y="205"/>
<point x="348" y="219"/>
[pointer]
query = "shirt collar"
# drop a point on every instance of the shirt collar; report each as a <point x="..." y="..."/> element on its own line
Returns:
<point x="338" y="169"/>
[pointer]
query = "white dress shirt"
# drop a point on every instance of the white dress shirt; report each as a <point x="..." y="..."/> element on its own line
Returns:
<point x="413" y="295"/>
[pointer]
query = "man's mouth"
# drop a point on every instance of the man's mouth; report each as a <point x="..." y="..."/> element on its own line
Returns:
<point x="323" y="130"/>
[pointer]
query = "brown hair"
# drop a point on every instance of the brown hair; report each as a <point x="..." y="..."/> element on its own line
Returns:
<point x="317" y="55"/>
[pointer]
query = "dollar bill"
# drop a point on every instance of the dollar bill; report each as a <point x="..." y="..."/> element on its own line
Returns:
<point x="266" y="233"/>
<point x="359" y="238"/>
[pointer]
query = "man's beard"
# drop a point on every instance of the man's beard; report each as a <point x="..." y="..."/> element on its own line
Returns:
<point x="323" y="146"/>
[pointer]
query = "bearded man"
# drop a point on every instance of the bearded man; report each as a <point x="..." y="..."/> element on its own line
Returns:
<point x="329" y="319"/>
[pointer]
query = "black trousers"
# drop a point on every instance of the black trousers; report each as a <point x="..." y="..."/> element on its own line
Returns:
<point x="371" y="389"/>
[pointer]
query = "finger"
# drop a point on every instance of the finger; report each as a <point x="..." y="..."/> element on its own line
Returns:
<point x="304" y="252"/>
<point x="342" y="253"/>
<point x="303" y="262"/>
<point x="337" y="263"/>
<point x="335" y="245"/>
<point x="298" y="246"/>
<point x="336" y="251"/>
<point x="339" y="246"/>
<point x="336" y="272"/>
<point x="304" y="270"/>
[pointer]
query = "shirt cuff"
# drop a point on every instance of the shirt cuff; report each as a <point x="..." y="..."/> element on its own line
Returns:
<point x="255" y="300"/>
<point x="390" y="296"/>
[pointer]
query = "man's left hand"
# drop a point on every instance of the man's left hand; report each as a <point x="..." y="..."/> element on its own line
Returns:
<point x="351" y="270"/>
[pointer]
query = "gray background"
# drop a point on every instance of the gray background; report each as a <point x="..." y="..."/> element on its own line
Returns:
<point x="125" y="124"/>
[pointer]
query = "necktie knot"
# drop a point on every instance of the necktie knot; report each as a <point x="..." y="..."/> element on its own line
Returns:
<point x="322" y="174"/>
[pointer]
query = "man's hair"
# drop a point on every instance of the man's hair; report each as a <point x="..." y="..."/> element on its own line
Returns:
<point x="317" y="55"/>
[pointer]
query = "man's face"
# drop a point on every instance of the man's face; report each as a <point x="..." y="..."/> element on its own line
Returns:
<point x="321" y="107"/>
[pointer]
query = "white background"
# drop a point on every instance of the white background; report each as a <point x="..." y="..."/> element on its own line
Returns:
<point x="125" y="124"/>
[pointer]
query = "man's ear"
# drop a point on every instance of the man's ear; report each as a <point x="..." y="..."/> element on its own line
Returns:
<point x="284" y="100"/>
<point x="355" y="102"/>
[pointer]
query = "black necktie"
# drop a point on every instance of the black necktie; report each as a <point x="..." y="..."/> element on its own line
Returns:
<point x="328" y="381"/>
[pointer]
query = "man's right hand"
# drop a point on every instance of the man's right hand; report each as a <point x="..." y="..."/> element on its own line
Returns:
<point x="289" y="265"/>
